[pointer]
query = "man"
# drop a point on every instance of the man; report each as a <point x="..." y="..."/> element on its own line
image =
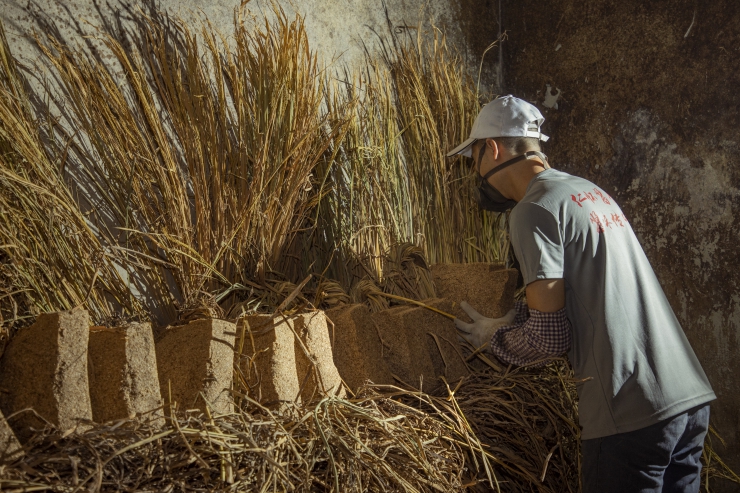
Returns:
<point x="643" y="397"/>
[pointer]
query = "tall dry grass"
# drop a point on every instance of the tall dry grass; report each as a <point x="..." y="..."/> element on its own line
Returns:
<point x="223" y="168"/>
<point x="388" y="181"/>
<point x="200" y="158"/>
<point x="437" y="105"/>
<point x="51" y="257"/>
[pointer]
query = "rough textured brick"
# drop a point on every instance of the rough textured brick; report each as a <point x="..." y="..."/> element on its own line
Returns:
<point x="440" y="335"/>
<point x="122" y="369"/>
<point x="10" y="448"/>
<point x="45" y="368"/>
<point x="405" y="351"/>
<point x="278" y="367"/>
<point x="318" y="369"/>
<point x="195" y="361"/>
<point x="358" y="352"/>
<point x="267" y="361"/>
<point x="489" y="288"/>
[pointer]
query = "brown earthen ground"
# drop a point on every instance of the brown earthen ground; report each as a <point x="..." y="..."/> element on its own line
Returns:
<point x="195" y="362"/>
<point x="122" y="369"/>
<point x="267" y="360"/>
<point x="45" y="368"/>
<point x="489" y="288"/>
<point x="358" y="352"/>
<point x="10" y="448"/>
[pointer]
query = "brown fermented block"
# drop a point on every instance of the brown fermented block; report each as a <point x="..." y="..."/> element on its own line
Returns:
<point x="122" y="369"/>
<point x="318" y="369"/>
<point x="267" y="363"/>
<point x="440" y="335"/>
<point x="45" y="368"/>
<point x="489" y="288"/>
<point x="405" y="351"/>
<point x="358" y="352"/>
<point x="195" y="361"/>
<point x="10" y="448"/>
<point x="277" y="367"/>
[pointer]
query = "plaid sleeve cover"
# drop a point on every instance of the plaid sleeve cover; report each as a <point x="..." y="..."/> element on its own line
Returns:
<point x="532" y="337"/>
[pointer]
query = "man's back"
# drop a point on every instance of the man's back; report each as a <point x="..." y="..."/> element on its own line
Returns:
<point x="628" y="347"/>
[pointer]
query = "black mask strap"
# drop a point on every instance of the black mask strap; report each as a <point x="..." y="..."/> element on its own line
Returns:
<point x="526" y="155"/>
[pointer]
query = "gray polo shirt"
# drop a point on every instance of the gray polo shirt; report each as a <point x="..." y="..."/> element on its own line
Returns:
<point x="634" y="362"/>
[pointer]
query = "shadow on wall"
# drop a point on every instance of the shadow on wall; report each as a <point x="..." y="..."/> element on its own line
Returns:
<point x="649" y="111"/>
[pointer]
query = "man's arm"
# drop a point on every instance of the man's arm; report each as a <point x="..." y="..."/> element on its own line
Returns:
<point x="544" y="334"/>
<point x="546" y="295"/>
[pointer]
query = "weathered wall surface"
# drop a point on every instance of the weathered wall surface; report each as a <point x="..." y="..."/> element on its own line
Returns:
<point x="339" y="30"/>
<point x="649" y="110"/>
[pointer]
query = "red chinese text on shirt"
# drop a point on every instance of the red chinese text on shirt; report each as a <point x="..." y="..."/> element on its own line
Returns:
<point x="617" y="219"/>
<point x="603" y="196"/>
<point x="597" y="221"/>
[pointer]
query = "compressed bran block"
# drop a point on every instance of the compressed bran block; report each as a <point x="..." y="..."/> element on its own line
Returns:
<point x="441" y="338"/>
<point x="314" y="358"/>
<point x="10" y="448"/>
<point x="122" y="369"/>
<point x="44" y="368"/>
<point x="278" y="367"/>
<point x="196" y="362"/>
<point x="267" y="359"/>
<point x="405" y="351"/>
<point x="358" y="352"/>
<point x="489" y="288"/>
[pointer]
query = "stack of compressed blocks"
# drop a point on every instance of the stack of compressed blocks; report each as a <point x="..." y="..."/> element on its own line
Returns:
<point x="62" y="371"/>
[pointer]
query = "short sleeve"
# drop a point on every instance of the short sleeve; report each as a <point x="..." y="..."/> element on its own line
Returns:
<point x="537" y="242"/>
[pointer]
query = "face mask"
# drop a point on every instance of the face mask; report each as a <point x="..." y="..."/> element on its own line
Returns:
<point x="487" y="196"/>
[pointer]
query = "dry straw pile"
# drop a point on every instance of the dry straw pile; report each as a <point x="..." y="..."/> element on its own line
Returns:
<point x="387" y="439"/>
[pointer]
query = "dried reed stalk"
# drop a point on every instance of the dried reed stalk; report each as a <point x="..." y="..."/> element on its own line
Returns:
<point x="387" y="181"/>
<point x="436" y="107"/>
<point x="51" y="258"/>
<point x="201" y="158"/>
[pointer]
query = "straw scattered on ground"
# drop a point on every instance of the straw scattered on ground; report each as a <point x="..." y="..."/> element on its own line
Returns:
<point x="482" y="434"/>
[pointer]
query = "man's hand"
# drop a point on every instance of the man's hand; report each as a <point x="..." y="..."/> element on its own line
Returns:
<point x="482" y="329"/>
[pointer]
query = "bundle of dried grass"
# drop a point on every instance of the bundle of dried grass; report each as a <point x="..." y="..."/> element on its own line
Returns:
<point x="386" y="181"/>
<point x="50" y="256"/>
<point x="436" y="107"/>
<point x="199" y="159"/>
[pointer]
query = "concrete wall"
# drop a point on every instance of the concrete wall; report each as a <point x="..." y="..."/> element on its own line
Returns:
<point x="649" y="110"/>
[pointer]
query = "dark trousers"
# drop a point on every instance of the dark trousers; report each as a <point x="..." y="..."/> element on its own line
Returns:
<point x="664" y="457"/>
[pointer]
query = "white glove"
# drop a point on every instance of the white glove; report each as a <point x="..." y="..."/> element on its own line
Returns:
<point x="482" y="329"/>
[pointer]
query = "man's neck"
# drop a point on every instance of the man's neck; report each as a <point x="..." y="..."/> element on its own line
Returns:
<point x="521" y="175"/>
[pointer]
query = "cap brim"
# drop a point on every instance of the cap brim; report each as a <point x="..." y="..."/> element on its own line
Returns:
<point x="463" y="149"/>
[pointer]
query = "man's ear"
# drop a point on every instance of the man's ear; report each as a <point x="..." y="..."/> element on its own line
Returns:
<point x="494" y="148"/>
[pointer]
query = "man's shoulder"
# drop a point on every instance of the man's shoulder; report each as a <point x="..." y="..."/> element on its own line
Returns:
<point x="553" y="178"/>
<point x="552" y="189"/>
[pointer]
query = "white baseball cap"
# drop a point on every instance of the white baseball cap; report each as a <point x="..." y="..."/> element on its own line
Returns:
<point x="506" y="116"/>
